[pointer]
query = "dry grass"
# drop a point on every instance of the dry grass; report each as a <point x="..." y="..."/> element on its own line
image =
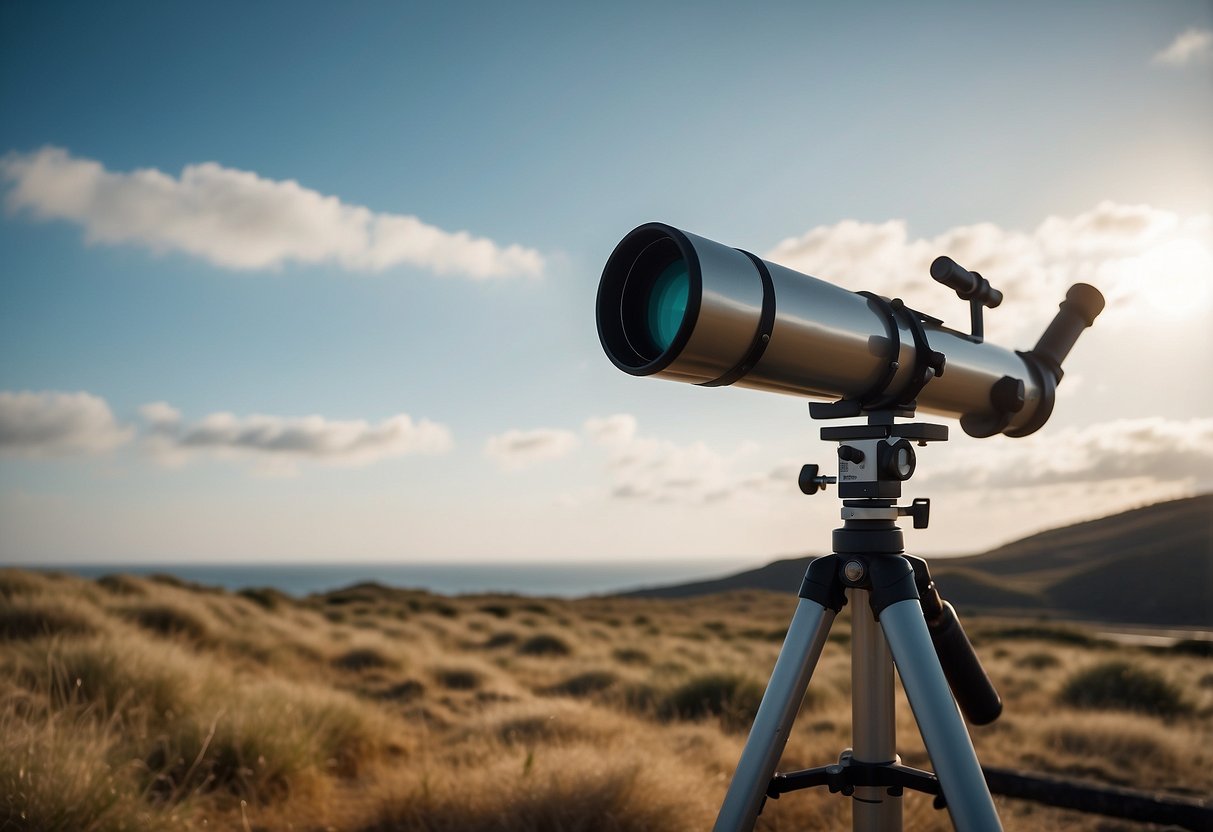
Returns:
<point x="148" y="704"/>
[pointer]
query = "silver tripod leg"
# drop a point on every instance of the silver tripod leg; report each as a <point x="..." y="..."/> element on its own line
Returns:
<point x="939" y="721"/>
<point x="873" y="717"/>
<point x="789" y="681"/>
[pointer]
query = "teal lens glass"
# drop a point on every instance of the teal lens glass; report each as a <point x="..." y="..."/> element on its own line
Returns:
<point x="668" y="303"/>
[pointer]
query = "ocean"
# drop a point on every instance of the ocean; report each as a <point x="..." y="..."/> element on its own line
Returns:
<point x="568" y="580"/>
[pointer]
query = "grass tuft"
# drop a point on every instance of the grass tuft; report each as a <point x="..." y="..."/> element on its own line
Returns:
<point x="544" y="644"/>
<point x="584" y="684"/>
<point x="631" y="655"/>
<point x="363" y="658"/>
<point x="730" y="697"/>
<point x="1119" y="685"/>
<point x="169" y="620"/>
<point x="23" y="618"/>
<point x="458" y="678"/>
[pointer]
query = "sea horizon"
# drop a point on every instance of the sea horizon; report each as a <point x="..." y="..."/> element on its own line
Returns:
<point x="507" y="577"/>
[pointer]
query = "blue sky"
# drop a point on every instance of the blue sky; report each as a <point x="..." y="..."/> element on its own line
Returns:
<point x="320" y="393"/>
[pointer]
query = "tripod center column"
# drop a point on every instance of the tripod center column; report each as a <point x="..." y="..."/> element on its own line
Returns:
<point x="873" y="715"/>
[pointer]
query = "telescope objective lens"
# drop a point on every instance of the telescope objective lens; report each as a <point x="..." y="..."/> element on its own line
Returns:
<point x="668" y="303"/>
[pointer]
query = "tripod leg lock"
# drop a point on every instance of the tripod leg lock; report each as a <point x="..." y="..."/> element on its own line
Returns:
<point x="849" y="775"/>
<point x="891" y="580"/>
<point x="821" y="584"/>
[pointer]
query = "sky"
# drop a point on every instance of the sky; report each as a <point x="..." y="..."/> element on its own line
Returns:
<point x="315" y="282"/>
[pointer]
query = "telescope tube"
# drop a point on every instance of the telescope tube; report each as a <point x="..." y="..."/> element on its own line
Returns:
<point x="678" y="306"/>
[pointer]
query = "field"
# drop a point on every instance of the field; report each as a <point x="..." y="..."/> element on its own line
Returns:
<point x="147" y="704"/>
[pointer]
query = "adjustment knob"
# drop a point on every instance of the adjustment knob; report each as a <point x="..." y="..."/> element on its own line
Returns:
<point x="897" y="460"/>
<point x="848" y="453"/>
<point x="811" y="482"/>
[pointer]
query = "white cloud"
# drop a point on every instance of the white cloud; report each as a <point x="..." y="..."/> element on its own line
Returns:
<point x="280" y="442"/>
<point x="1192" y="46"/>
<point x="611" y="430"/>
<point x="239" y="220"/>
<point x="1153" y="449"/>
<point x="57" y="424"/>
<point x="517" y="449"/>
<point x="662" y="471"/>
<point x="1141" y="258"/>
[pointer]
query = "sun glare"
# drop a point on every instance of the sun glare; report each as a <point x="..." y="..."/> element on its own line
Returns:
<point x="1174" y="279"/>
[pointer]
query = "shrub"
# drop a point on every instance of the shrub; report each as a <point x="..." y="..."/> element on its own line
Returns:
<point x="458" y="678"/>
<point x="266" y="597"/>
<point x="584" y="684"/>
<point x="503" y="639"/>
<point x="363" y="658"/>
<point x="261" y="740"/>
<point x="631" y="655"/>
<point x="405" y="691"/>
<point x="169" y="620"/>
<point x="543" y="644"/>
<point x="1121" y="686"/>
<point x="731" y="697"/>
<point x="1193" y="647"/>
<point x="1038" y="661"/>
<point x="27" y="618"/>
<point x="496" y="610"/>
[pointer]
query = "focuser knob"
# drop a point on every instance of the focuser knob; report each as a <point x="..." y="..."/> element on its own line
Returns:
<point x="811" y="482"/>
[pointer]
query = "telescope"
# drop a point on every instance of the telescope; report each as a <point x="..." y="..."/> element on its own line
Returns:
<point x="678" y="306"/>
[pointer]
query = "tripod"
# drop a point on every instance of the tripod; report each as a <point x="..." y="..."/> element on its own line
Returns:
<point x="898" y="617"/>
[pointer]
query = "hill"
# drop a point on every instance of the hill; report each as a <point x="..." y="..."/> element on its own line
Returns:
<point x="1152" y="565"/>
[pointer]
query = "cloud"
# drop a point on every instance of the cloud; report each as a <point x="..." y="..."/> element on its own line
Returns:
<point x="239" y="220"/>
<point x="613" y="430"/>
<point x="516" y="449"/>
<point x="280" y="442"/>
<point x="1153" y="449"/>
<point x="662" y="471"/>
<point x="1192" y="46"/>
<point x="57" y="424"/>
<point x="1140" y="257"/>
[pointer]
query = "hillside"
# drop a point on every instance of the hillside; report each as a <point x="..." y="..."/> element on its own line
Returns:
<point x="149" y="703"/>
<point x="1151" y="565"/>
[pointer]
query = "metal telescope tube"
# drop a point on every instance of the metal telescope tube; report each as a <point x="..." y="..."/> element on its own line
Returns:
<point x="679" y="306"/>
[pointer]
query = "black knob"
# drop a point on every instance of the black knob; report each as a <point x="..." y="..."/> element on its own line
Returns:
<point x="809" y="483"/>
<point x="850" y="454"/>
<point x="896" y="461"/>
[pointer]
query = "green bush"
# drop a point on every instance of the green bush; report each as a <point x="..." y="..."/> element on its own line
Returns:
<point x="733" y="698"/>
<point x="1119" y="685"/>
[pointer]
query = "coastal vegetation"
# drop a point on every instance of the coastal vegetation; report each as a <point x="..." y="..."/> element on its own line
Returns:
<point x="145" y="703"/>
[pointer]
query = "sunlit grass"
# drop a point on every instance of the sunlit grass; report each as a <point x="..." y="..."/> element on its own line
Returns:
<point x="148" y="704"/>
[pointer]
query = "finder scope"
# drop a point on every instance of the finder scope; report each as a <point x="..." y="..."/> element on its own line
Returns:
<point x="678" y="306"/>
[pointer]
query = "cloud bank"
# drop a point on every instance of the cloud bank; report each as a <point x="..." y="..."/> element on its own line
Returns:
<point x="1153" y="449"/>
<point x="58" y="424"/>
<point x="239" y="220"/>
<point x="516" y="449"/>
<point x="1134" y="254"/>
<point x="1192" y="46"/>
<point x="284" y="440"/>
